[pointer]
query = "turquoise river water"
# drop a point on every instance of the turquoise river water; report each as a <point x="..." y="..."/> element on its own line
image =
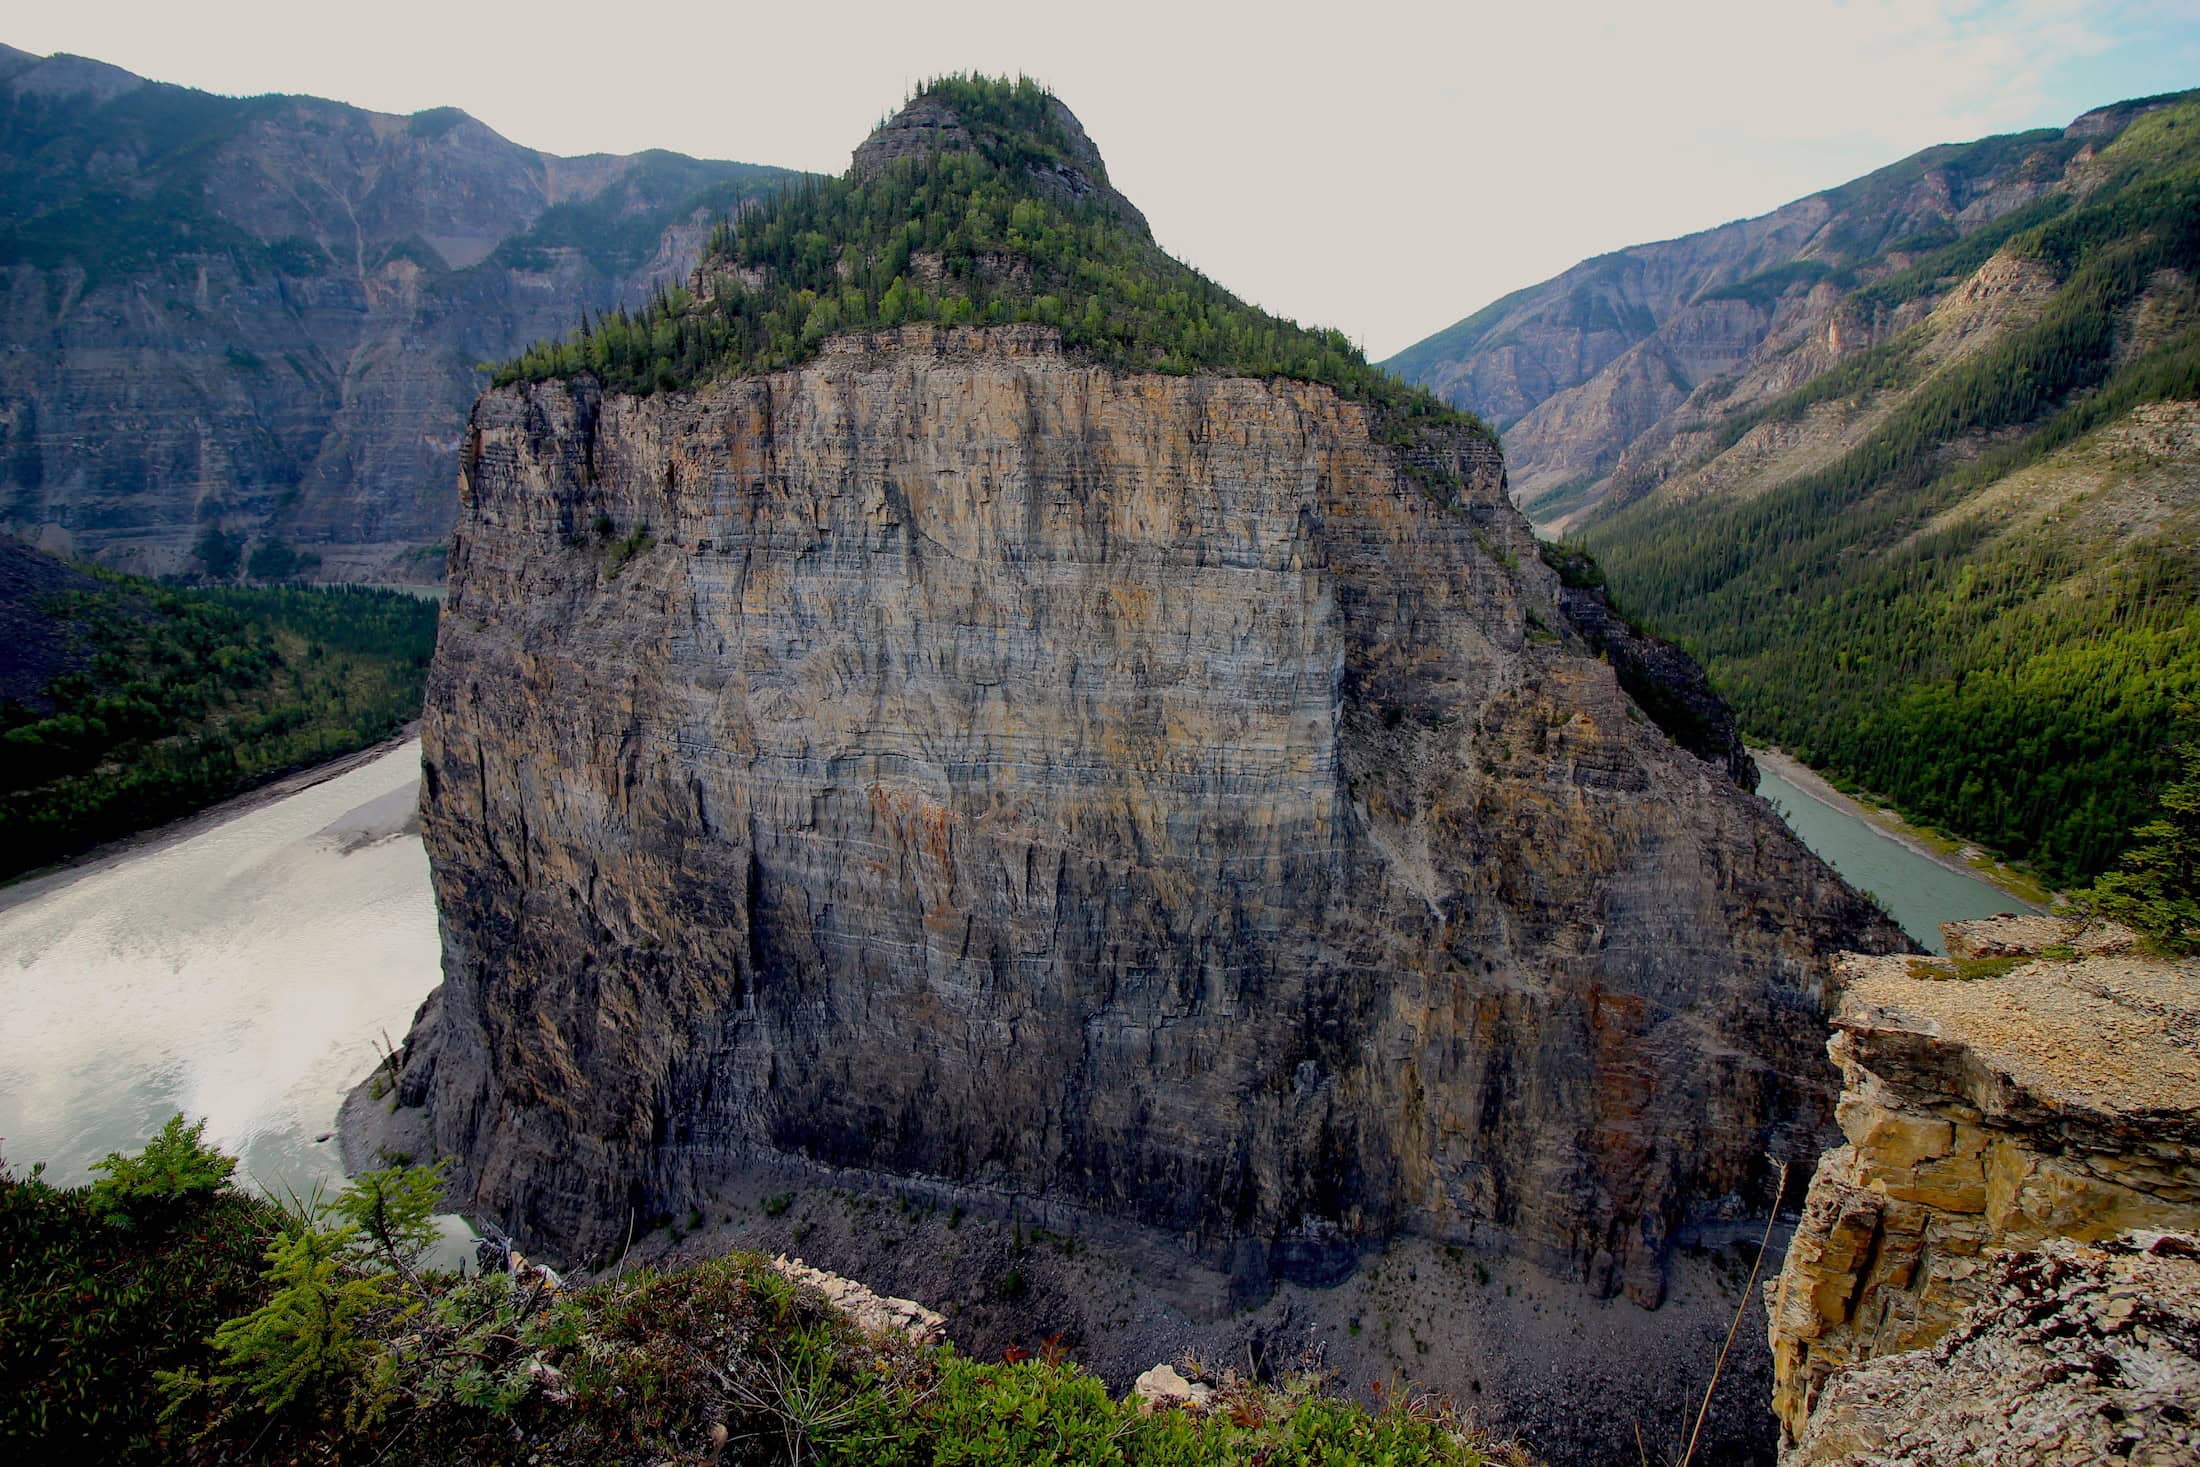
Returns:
<point x="1920" y="893"/>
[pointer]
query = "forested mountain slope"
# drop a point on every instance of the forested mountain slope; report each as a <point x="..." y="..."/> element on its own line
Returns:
<point x="124" y="703"/>
<point x="235" y="321"/>
<point x="1942" y="536"/>
<point x="1594" y="374"/>
<point x="1006" y="216"/>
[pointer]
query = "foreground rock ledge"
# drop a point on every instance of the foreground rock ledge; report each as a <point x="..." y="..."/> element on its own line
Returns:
<point x="1994" y="1118"/>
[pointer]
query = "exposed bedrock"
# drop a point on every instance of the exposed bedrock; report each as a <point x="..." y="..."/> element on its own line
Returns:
<point x="1135" y="796"/>
<point x="1998" y="1116"/>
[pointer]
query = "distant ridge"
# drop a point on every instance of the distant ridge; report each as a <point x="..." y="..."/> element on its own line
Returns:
<point x="262" y="317"/>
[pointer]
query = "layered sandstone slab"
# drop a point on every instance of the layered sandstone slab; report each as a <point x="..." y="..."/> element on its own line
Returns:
<point x="1986" y="1112"/>
<point x="1128" y="797"/>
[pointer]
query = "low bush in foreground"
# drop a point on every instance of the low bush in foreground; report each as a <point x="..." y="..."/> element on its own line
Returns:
<point x="198" y="1324"/>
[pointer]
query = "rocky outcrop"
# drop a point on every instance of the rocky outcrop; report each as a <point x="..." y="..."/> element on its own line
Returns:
<point x="1134" y="798"/>
<point x="1664" y="681"/>
<point x="2040" y="1085"/>
<point x="865" y="1308"/>
<point x="266" y="316"/>
<point x="1165" y="1387"/>
<point x="2078" y="1355"/>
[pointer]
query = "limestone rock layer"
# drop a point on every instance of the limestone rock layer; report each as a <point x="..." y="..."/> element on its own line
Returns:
<point x="1132" y="797"/>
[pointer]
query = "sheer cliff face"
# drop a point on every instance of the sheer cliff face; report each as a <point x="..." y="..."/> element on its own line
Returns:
<point x="1144" y="794"/>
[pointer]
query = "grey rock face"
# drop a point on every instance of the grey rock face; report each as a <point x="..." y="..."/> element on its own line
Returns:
<point x="1132" y="795"/>
<point x="267" y="316"/>
<point x="2076" y="1355"/>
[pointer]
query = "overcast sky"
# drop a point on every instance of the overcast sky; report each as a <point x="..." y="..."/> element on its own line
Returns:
<point x="1379" y="167"/>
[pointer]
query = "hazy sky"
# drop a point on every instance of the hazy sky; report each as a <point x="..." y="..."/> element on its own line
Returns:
<point x="1378" y="167"/>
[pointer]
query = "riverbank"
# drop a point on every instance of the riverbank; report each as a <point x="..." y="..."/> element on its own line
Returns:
<point x="34" y="884"/>
<point x="1928" y="844"/>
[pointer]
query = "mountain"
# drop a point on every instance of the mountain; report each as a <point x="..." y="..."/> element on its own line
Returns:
<point x="1592" y="374"/>
<point x="1933" y="521"/>
<point x="244" y="321"/>
<point x="955" y="704"/>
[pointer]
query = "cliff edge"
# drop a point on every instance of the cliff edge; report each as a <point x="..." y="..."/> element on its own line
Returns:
<point x="2012" y="1112"/>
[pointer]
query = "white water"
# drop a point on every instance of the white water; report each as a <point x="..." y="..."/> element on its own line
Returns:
<point x="243" y="973"/>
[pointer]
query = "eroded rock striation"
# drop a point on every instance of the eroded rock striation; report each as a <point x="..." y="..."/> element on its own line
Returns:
<point x="1989" y="1113"/>
<point x="1148" y="796"/>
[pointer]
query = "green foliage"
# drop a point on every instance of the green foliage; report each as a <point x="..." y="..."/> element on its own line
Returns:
<point x="188" y="695"/>
<point x="2014" y="687"/>
<point x="959" y="238"/>
<point x="310" y="1337"/>
<point x="342" y="1280"/>
<point x="393" y="1211"/>
<point x="1890" y="365"/>
<point x="625" y="548"/>
<point x="274" y="560"/>
<point x="218" y="554"/>
<point x="2155" y="890"/>
<point x="1964" y="970"/>
<point x="342" y="1349"/>
<point x="1768" y="285"/>
<point x="176" y="1170"/>
<point x="621" y="227"/>
<point x="127" y="186"/>
<point x="434" y="122"/>
<point x="1577" y="568"/>
<point x="89" y="1312"/>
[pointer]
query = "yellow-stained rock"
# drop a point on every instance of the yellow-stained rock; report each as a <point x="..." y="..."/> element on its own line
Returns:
<point x="2058" y="1101"/>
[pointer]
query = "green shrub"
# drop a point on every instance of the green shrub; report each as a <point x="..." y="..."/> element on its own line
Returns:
<point x="175" y="1170"/>
<point x="89" y="1311"/>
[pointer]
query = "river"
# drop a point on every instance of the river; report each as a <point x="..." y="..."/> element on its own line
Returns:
<point x="242" y="971"/>
<point x="1920" y="893"/>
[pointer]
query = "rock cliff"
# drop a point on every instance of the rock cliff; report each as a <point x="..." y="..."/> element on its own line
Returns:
<point x="265" y="316"/>
<point x="1021" y="781"/>
<point x="2038" y="1089"/>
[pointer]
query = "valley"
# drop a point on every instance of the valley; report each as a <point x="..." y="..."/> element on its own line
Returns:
<point x="1214" y="887"/>
<point x="1929" y="508"/>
